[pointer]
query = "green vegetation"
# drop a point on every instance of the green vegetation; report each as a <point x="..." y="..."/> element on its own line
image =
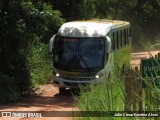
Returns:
<point x="24" y="61"/>
<point x="119" y="93"/>
<point x="108" y="96"/>
<point x="27" y="26"/>
<point x="39" y="64"/>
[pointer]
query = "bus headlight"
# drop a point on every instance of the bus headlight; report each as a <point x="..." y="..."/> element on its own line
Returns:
<point x="97" y="76"/>
<point x="57" y="74"/>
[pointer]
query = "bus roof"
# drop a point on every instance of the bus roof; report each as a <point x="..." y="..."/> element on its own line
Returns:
<point x="90" y="28"/>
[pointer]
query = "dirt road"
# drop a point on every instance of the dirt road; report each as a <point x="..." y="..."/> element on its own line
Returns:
<point x="49" y="99"/>
<point x="137" y="56"/>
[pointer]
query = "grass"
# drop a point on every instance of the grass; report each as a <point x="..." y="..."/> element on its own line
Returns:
<point x="106" y="96"/>
<point x="40" y="64"/>
<point x="119" y="94"/>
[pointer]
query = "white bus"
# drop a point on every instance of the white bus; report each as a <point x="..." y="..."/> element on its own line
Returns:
<point x="83" y="51"/>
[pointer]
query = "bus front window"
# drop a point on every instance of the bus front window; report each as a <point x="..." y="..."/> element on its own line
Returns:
<point x="92" y="52"/>
<point x="79" y="53"/>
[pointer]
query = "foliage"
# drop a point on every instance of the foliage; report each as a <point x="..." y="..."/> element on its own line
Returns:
<point x="13" y="61"/>
<point x="75" y="10"/>
<point x="8" y="90"/>
<point x="143" y="15"/>
<point x="21" y="23"/>
<point x="39" y="63"/>
<point x="106" y="96"/>
<point x="41" y="20"/>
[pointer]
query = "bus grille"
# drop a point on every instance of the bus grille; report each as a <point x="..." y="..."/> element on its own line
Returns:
<point x="78" y="78"/>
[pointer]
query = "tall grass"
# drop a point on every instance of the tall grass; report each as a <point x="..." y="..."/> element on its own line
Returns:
<point x="151" y="89"/>
<point x="106" y="96"/>
<point x="151" y="92"/>
<point x="111" y="95"/>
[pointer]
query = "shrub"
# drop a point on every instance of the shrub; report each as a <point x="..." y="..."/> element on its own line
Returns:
<point x="8" y="90"/>
<point x="22" y="57"/>
<point x="39" y="63"/>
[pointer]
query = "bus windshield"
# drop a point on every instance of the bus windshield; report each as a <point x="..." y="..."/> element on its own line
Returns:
<point x="78" y="53"/>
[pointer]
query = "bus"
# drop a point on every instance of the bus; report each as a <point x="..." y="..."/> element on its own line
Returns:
<point x="84" y="52"/>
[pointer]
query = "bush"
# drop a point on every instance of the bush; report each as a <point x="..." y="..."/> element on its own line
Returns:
<point x="25" y="28"/>
<point x="39" y="63"/>
<point x="8" y="90"/>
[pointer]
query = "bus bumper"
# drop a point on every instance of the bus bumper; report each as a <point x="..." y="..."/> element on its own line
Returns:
<point x="74" y="83"/>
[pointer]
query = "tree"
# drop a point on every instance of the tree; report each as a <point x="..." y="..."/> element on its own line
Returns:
<point x="75" y="10"/>
<point x="22" y="25"/>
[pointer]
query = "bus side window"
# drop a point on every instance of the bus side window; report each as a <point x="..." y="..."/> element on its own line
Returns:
<point x="130" y="32"/>
<point x="121" y="39"/>
<point x="125" y="37"/>
<point x="130" y="35"/>
<point x="113" y="40"/>
<point x="117" y="39"/>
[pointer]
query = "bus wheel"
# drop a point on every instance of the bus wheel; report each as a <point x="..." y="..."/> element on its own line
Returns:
<point x="75" y="91"/>
<point x="62" y="90"/>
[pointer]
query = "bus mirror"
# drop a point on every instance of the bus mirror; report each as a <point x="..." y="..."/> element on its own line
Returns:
<point x="51" y="42"/>
<point x="108" y="44"/>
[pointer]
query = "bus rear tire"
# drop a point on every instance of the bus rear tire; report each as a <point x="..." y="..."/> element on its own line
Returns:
<point x="62" y="90"/>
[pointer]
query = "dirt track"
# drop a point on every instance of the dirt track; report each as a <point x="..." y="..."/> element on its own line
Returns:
<point x="137" y="56"/>
<point x="48" y="98"/>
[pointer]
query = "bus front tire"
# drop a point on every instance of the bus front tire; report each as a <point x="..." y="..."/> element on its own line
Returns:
<point x="62" y="90"/>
